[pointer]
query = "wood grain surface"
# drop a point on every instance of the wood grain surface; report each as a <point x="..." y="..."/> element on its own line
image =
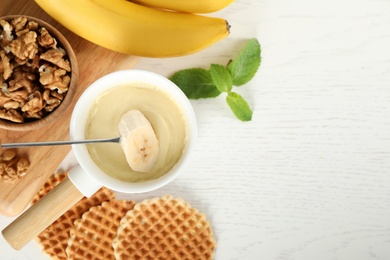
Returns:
<point x="94" y="62"/>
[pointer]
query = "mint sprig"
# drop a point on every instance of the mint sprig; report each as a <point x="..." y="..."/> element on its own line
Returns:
<point x="199" y="83"/>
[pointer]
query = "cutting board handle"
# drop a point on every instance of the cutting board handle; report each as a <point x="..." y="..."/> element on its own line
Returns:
<point x="40" y="215"/>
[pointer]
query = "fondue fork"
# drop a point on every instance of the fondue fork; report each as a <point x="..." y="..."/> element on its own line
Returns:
<point x="52" y="143"/>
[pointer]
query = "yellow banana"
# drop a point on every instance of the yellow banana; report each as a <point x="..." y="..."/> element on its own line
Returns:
<point x="189" y="6"/>
<point x="134" y="29"/>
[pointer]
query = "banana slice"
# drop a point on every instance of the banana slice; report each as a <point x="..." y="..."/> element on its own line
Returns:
<point x="138" y="141"/>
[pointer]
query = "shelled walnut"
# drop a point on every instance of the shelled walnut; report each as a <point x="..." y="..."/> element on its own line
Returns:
<point x="35" y="71"/>
<point x="12" y="166"/>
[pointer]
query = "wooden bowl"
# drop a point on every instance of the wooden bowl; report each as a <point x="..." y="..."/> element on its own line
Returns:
<point x="58" y="111"/>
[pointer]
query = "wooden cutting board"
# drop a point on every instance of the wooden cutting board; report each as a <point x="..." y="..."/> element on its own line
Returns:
<point x="94" y="62"/>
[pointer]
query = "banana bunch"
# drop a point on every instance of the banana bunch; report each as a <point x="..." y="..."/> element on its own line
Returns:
<point x="147" y="31"/>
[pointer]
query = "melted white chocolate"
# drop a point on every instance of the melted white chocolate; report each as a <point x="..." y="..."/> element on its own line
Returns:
<point x="159" y="108"/>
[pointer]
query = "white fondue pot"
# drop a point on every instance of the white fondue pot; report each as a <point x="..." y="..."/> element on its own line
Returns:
<point x="87" y="178"/>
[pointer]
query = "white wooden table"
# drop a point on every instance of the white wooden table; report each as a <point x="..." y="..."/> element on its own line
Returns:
<point x="309" y="177"/>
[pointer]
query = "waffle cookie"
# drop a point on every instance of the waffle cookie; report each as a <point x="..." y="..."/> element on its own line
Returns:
<point x="48" y="186"/>
<point x="92" y="235"/>
<point x="54" y="239"/>
<point x="164" y="228"/>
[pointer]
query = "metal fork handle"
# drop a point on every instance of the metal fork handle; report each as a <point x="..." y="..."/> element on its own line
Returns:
<point x="16" y="145"/>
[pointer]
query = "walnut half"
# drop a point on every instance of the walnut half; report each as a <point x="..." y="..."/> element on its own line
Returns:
<point x="12" y="166"/>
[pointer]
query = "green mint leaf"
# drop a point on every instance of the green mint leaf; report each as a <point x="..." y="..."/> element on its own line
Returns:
<point x="221" y="77"/>
<point x="239" y="106"/>
<point x="195" y="83"/>
<point x="245" y="66"/>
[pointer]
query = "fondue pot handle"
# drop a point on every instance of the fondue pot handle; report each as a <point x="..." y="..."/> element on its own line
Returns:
<point x="40" y="215"/>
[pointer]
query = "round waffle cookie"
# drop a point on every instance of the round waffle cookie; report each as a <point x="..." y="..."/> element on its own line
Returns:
<point x="92" y="235"/>
<point x="54" y="239"/>
<point x="164" y="228"/>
